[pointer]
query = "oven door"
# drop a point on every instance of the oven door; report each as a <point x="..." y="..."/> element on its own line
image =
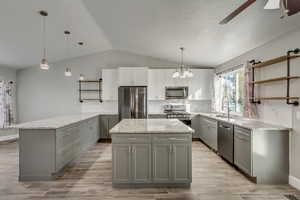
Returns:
<point x="176" y="92"/>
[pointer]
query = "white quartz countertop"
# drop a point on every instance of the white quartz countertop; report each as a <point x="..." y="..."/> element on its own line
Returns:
<point x="56" y="122"/>
<point x="149" y="126"/>
<point x="246" y="122"/>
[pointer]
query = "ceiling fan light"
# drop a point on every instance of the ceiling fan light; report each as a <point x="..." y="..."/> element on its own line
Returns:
<point x="44" y="64"/>
<point x="68" y="72"/>
<point x="272" y="4"/>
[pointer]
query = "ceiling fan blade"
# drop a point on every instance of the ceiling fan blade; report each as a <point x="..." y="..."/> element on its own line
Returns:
<point x="272" y="4"/>
<point x="237" y="11"/>
<point x="293" y="6"/>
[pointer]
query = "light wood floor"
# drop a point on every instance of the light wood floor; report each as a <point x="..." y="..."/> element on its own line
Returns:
<point x="90" y="178"/>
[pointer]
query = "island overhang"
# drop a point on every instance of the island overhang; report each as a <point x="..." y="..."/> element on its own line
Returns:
<point x="151" y="126"/>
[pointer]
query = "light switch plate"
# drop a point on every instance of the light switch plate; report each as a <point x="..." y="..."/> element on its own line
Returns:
<point x="298" y="115"/>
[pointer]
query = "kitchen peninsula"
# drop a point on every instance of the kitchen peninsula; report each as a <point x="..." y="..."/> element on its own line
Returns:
<point x="151" y="152"/>
<point x="47" y="146"/>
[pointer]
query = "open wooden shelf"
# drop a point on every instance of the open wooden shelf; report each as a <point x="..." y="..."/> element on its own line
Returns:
<point x="277" y="98"/>
<point x="97" y="89"/>
<point x="90" y="90"/>
<point x="274" y="61"/>
<point x="90" y="81"/>
<point x="276" y="79"/>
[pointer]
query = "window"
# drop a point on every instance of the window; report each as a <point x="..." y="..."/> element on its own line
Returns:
<point x="6" y="103"/>
<point x="229" y="90"/>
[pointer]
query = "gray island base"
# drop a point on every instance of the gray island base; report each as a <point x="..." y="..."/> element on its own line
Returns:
<point x="151" y="153"/>
<point x="48" y="146"/>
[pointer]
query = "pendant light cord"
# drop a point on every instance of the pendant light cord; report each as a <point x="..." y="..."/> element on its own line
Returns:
<point x="44" y="36"/>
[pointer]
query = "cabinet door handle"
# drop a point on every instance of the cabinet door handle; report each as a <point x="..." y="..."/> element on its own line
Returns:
<point x="129" y="149"/>
<point x="242" y="138"/>
<point x="176" y="139"/>
<point x="133" y="149"/>
<point x="225" y="127"/>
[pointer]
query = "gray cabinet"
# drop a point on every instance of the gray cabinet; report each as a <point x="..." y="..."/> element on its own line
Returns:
<point x="172" y="158"/>
<point x="195" y="124"/>
<point x="157" y="116"/>
<point x="141" y="163"/>
<point x="121" y="163"/>
<point x="208" y="132"/>
<point x="181" y="162"/>
<point x="106" y="123"/>
<point x="242" y="149"/>
<point x="45" y="152"/>
<point x="131" y="159"/>
<point x="162" y="163"/>
<point x="156" y="158"/>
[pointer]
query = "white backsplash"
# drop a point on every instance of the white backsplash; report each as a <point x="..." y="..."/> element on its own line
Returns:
<point x="111" y="107"/>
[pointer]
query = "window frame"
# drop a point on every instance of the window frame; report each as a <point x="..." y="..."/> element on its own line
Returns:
<point x="221" y="106"/>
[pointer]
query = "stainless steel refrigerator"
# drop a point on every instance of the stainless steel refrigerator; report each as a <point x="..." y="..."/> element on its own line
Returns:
<point x="132" y="102"/>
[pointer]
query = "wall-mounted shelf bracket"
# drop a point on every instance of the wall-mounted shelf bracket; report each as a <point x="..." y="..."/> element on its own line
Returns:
<point x="254" y="62"/>
<point x="288" y="101"/>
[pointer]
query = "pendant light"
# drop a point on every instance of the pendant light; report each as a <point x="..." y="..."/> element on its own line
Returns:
<point x="68" y="70"/>
<point x="44" y="63"/>
<point x="182" y="71"/>
<point x="81" y="76"/>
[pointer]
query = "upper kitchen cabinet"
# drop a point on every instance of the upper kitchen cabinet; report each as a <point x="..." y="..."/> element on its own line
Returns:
<point x="156" y="86"/>
<point x="201" y="85"/>
<point x="110" y="84"/>
<point x="133" y="76"/>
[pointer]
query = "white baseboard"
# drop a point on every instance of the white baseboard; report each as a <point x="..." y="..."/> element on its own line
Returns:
<point x="295" y="182"/>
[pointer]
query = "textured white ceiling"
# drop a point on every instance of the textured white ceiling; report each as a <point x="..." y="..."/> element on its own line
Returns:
<point x="149" y="27"/>
<point x="21" y="31"/>
<point x="159" y="27"/>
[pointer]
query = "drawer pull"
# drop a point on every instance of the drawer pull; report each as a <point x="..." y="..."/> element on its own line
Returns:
<point x="131" y="138"/>
<point x="242" y="138"/>
<point x="225" y="127"/>
<point x="176" y="139"/>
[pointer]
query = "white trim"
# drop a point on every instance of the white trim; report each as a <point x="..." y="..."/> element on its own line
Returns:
<point x="295" y="182"/>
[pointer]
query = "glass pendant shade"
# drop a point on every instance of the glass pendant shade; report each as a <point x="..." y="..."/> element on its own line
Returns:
<point x="44" y="64"/>
<point x="176" y="74"/>
<point x="81" y="77"/>
<point x="68" y="72"/>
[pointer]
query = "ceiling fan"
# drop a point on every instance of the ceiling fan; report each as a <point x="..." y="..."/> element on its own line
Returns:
<point x="287" y="7"/>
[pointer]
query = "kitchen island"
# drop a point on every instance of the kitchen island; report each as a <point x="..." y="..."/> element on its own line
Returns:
<point x="151" y="152"/>
<point x="48" y="146"/>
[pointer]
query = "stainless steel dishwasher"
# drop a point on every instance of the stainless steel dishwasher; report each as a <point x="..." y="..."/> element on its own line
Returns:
<point x="225" y="141"/>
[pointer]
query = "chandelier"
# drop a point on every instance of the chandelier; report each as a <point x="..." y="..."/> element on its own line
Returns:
<point x="183" y="71"/>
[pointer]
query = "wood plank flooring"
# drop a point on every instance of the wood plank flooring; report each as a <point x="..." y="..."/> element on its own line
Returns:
<point x="90" y="178"/>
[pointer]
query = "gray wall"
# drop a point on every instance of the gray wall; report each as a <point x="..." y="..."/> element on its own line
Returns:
<point x="43" y="94"/>
<point x="278" y="112"/>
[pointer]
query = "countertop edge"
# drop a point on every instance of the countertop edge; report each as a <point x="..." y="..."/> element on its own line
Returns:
<point x="27" y="126"/>
<point x="271" y="128"/>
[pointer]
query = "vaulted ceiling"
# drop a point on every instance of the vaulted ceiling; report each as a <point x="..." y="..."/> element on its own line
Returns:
<point x="154" y="28"/>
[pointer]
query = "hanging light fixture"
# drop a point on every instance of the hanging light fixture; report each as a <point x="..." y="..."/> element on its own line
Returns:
<point x="44" y="63"/>
<point x="68" y="70"/>
<point x="81" y="77"/>
<point x="182" y="71"/>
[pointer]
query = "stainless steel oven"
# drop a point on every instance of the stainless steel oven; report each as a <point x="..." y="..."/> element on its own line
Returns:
<point x="177" y="92"/>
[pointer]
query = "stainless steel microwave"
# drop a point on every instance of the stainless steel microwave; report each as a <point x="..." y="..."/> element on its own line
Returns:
<point x="177" y="92"/>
